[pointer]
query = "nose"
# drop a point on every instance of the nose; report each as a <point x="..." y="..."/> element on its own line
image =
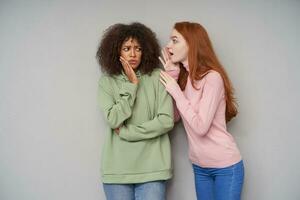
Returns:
<point x="169" y="45"/>
<point x="132" y="53"/>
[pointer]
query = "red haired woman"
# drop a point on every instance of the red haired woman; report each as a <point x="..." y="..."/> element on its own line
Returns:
<point x="203" y="97"/>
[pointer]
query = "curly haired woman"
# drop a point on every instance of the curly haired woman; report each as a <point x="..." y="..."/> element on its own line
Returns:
<point x="136" y="157"/>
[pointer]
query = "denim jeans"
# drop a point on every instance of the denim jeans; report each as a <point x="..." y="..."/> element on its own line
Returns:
<point x="219" y="183"/>
<point x="155" y="190"/>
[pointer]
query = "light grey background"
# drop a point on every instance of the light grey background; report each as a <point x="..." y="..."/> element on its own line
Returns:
<point x="51" y="129"/>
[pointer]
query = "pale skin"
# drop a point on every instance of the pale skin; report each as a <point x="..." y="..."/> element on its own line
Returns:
<point x="168" y="65"/>
<point x="166" y="61"/>
<point x="174" y="53"/>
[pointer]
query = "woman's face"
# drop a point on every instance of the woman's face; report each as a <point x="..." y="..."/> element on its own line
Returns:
<point x="178" y="48"/>
<point x="131" y="51"/>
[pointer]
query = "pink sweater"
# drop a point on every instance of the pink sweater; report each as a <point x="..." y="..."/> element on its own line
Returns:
<point x="203" y="114"/>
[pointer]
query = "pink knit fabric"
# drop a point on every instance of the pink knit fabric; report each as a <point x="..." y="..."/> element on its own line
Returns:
<point x="203" y="114"/>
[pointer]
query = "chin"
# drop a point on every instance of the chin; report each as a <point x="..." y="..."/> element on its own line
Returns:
<point x="134" y="67"/>
<point x="174" y="60"/>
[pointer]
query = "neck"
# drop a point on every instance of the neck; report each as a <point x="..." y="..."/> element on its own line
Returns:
<point x="186" y="64"/>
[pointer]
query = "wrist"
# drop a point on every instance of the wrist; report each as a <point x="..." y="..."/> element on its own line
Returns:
<point x="135" y="81"/>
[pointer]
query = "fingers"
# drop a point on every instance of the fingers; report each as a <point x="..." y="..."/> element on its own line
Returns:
<point x="126" y="66"/>
<point x="167" y="53"/>
<point x="165" y="56"/>
<point x="162" y="61"/>
<point x="126" y="63"/>
<point x="122" y="60"/>
<point x="165" y="76"/>
<point x="128" y="71"/>
<point x="164" y="79"/>
<point x="117" y="130"/>
<point x="163" y="82"/>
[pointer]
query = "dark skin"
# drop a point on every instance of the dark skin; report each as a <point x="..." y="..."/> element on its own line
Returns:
<point x="129" y="71"/>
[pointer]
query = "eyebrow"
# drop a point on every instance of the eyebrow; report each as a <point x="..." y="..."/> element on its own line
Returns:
<point x="173" y="37"/>
<point x="130" y="46"/>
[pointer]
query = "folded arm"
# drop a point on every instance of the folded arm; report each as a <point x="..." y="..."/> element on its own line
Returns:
<point x="117" y="111"/>
<point x="200" y="117"/>
<point x="159" y="125"/>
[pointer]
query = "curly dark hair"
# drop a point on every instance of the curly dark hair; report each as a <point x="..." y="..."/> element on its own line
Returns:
<point x="108" y="53"/>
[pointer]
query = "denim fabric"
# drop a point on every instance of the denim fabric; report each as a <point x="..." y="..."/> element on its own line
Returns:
<point x="219" y="183"/>
<point x="155" y="190"/>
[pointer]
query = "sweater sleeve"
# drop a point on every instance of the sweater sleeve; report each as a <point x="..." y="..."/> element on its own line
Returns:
<point x="174" y="73"/>
<point x="176" y="112"/>
<point x="116" y="111"/>
<point x="213" y="92"/>
<point x="159" y="125"/>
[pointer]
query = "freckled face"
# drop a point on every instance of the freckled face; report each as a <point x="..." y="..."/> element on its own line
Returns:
<point x="177" y="47"/>
<point x="131" y="51"/>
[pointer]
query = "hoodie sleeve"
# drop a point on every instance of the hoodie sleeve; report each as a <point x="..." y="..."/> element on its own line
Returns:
<point x="159" y="125"/>
<point x="174" y="73"/>
<point x="116" y="111"/>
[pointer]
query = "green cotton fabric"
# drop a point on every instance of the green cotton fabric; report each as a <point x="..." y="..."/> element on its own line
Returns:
<point x="143" y="113"/>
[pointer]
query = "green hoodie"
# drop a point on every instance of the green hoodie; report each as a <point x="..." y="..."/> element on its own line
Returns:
<point x="144" y="112"/>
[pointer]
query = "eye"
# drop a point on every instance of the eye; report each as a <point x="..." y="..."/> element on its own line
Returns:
<point x="174" y="40"/>
<point x="138" y="49"/>
<point x="125" y="49"/>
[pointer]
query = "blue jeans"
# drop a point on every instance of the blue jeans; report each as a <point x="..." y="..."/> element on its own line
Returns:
<point x="155" y="190"/>
<point x="219" y="183"/>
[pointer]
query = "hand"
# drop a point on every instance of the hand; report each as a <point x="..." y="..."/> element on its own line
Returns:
<point x="117" y="130"/>
<point x="129" y="71"/>
<point x="166" y="61"/>
<point x="167" y="80"/>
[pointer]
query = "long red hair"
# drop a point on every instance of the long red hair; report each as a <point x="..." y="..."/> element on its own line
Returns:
<point x="202" y="58"/>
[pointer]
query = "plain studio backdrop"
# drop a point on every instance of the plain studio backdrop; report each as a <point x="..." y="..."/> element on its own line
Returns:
<point x="51" y="128"/>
